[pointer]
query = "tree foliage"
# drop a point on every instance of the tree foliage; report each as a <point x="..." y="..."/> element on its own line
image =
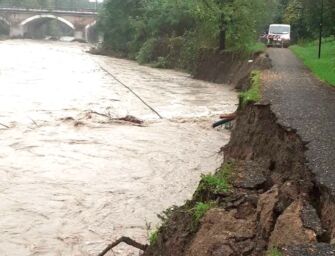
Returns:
<point x="171" y="32"/>
<point x="305" y="17"/>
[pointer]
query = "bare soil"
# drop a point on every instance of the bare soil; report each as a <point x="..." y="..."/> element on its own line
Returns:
<point x="275" y="200"/>
<point x="272" y="203"/>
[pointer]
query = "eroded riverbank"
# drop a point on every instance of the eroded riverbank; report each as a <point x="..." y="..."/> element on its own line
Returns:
<point x="70" y="183"/>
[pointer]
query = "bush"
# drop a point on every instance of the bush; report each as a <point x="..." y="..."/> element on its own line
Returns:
<point x="145" y="54"/>
<point x="161" y="63"/>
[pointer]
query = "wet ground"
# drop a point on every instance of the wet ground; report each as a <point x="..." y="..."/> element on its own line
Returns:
<point x="71" y="180"/>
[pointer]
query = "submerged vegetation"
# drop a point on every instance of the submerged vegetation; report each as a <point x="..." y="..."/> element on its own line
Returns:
<point x="323" y="68"/>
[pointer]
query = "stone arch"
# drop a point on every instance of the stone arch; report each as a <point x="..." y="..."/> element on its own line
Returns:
<point x="48" y="16"/>
<point x="88" y="28"/>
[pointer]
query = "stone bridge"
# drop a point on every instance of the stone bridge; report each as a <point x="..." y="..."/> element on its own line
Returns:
<point x="18" y="20"/>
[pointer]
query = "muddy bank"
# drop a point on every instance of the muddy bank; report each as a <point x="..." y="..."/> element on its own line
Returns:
<point x="273" y="206"/>
<point x="216" y="66"/>
<point x="229" y="67"/>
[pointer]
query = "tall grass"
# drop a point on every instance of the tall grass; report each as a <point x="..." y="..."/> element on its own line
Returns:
<point x="323" y="68"/>
<point x="254" y="92"/>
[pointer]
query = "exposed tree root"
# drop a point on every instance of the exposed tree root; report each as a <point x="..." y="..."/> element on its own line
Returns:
<point x="126" y="240"/>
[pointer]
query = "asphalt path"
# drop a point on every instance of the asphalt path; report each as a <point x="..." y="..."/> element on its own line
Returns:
<point x="303" y="102"/>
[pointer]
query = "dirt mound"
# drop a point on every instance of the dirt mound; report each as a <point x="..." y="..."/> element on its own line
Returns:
<point x="228" y="67"/>
<point x="273" y="200"/>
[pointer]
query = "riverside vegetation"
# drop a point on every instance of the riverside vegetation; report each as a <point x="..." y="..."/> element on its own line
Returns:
<point x="323" y="68"/>
<point x="172" y="33"/>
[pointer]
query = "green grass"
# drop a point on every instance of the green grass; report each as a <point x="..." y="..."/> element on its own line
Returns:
<point x="201" y="208"/>
<point x="254" y="92"/>
<point x="323" y="68"/>
<point x="273" y="252"/>
<point x="257" y="47"/>
<point x="153" y="237"/>
<point x="218" y="182"/>
<point x="214" y="183"/>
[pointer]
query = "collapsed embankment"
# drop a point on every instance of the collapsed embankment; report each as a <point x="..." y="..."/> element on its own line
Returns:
<point x="264" y="200"/>
<point x="212" y="65"/>
<point x="229" y="67"/>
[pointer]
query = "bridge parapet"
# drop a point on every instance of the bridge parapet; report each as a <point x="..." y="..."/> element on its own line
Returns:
<point x="51" y="6"/>
<point x="56" y="11"/>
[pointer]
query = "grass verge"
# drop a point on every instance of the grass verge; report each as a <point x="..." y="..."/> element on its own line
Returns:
<point x="256" y="47"/>
<point x="323" y="68"/>
<point x="273" y="252"/>
<point x="254" y="92"/>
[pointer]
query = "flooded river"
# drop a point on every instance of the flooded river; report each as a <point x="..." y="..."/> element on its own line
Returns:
<point x="72" y="179"/>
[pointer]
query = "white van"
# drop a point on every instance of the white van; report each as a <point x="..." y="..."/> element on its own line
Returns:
<point x="279" y="35"/>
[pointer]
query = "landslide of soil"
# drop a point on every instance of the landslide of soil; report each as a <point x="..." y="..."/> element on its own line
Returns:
<point x="273" y="205"/>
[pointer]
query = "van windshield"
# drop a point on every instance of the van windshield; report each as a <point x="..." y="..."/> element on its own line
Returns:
<point x="279" y="30"/>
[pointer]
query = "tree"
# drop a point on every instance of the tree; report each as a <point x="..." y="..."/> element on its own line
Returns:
<point x="304" y="16"/>
<point x="172" y="32"/>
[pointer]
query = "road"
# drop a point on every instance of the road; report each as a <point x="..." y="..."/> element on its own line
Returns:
<point x="72" y="181"/>
<point x="306" y="104"/>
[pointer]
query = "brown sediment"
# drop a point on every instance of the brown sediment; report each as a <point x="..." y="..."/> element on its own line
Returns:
<point x="228" y="67"/>
<point x="274" y="201"/>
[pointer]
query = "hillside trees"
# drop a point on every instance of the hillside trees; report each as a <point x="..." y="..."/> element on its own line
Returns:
<point x="305" y="15"/>
<point x="171" y="32"/>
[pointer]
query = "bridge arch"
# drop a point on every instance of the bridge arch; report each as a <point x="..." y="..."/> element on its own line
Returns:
<point x="48" y="16"/>
<point x="87" y="27"/>
<point x="90" y="35"/>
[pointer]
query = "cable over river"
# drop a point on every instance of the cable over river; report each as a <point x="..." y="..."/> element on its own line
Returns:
<point x="72" y="177"/>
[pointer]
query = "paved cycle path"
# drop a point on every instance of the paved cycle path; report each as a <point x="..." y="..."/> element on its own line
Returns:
<point x="306" y="104"/>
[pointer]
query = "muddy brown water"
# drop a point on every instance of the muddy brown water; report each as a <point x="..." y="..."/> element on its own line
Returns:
<point x="70" y="181"/>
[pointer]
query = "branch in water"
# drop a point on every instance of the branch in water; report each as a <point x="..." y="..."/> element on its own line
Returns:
<point x="4" y="125"/>
<point x="126" y="240"/>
